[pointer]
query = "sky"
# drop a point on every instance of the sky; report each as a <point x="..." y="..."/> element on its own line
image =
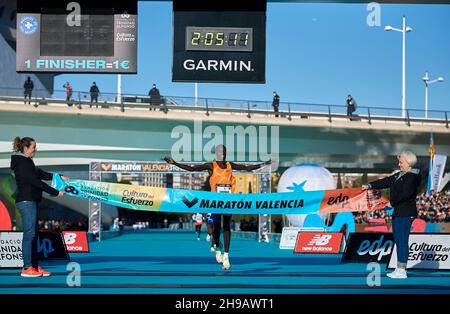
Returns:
<point x="315" y="53"/>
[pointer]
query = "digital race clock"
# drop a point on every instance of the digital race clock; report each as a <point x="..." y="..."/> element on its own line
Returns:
<point x="219" y="38"/>
<point x="219" y="41"/>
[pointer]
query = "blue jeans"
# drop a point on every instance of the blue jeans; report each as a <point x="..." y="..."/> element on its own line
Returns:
<point x="401" y="228"/>
<point x="28" y="211"/>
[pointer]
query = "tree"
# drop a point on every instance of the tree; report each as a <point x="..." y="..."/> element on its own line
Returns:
<point x="364" y="179"/>
<point x="339" y="181"/>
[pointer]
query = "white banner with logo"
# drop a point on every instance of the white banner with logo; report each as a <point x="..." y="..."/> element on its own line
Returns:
<point x="426" y="251"/>
<point x="11" y="249"/>
<point x="438" y="171"/>
<point x="289" y="236"/>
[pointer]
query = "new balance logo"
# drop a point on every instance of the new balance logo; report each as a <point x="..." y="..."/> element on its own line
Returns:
<point x="320" y="240"/>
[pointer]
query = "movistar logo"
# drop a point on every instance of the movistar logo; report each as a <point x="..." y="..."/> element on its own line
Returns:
<point x="218" y="65"/>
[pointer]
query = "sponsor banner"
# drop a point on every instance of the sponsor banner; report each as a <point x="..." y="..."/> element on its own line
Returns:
<point x="318" y="242"/>
<point x="437" y="172"/>
<point x="11" y="249"/>
<point x="135" y="167"/>
<point x="368" y="247"/>
<point x="351" y="200"/>
<point x="76" y="241"/>
<point x="426" y="251"/>
<point x="289" y="236"/>
<point x="188" y="201"/>
<point x="50" y="247"/>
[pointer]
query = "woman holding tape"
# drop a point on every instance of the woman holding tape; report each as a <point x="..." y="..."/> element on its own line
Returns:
<point x="403" y="187"/>
<point x="221" y="180"/>
<point x="29" y="194"/>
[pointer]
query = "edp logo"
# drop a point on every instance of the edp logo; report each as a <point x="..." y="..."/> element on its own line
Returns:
<point x="376" y="247"/>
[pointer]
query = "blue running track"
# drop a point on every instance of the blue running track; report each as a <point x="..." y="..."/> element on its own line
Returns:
<point x="163" y="262"/>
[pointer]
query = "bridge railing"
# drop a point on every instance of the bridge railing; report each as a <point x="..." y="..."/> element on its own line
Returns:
<point x="249" y="108"/>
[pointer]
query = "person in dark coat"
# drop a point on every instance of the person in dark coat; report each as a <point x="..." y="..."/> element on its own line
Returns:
<point x="155" y="97"/>
<point x="94" y="91"/>
<point x="276" y="103"/>
<point x="29" y="194"/>
<point x="403" y="187"/>
<point x="351" y="105"/>
<point x="27" y="90"/>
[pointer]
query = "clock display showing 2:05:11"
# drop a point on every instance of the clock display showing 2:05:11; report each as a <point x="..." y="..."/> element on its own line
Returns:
<point x="219" y="38"/>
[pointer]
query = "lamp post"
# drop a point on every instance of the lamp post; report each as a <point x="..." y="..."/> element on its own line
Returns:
<point x="405" y="29"/>
<point x="119" y="88"/>
<point x="427" y="81"/>
<point x="196" y="93"/>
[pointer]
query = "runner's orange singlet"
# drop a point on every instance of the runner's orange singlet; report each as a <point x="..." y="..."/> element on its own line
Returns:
<point x="222" y="177"/>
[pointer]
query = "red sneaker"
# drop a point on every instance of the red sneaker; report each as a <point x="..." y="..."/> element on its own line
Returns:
<point x="43" y="272"/>
<point x="30" y="272"/>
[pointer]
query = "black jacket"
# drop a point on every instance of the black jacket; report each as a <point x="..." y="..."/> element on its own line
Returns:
<point x="94" y="90"/>
<point x="403" y="192"/>
<point x="29" y="179"/>
<point x="276" y="101"/>
<point x="28" y="85"/>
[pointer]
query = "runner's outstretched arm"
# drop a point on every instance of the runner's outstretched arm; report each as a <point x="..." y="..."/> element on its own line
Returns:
<point x="202" y="167"/>
<point x="249" y="167"/>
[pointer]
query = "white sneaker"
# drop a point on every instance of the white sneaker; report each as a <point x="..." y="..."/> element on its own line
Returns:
<point x="226" y="262"/>
<point x="198" y="239"/>
<point x="208" y="238"/>
<point x="219" y="258"/>
<point x="213" y="249"/>
<point x="398" y="273"/>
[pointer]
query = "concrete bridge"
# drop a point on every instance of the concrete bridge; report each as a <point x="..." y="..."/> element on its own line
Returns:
<point x="69" y="136"/>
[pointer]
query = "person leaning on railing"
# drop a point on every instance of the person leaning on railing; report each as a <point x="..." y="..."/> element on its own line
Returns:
<point x="403" y="187"/>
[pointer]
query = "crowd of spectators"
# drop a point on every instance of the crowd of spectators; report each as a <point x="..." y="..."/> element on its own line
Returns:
<point x="251" y="225"/>
<point x="432" y="208"/>
<point x="62" y="225"/>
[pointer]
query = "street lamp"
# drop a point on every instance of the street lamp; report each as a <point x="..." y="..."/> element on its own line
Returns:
<point x="196" y="93"/>
<point x="427" y="81"/>
<point x="404" y="30"/>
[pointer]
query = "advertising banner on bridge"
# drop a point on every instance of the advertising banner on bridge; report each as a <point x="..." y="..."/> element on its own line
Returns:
<point x="188" y="201"/>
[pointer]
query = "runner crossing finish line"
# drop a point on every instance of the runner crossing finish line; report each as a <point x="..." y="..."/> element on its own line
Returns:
<point x="189" y="201"/>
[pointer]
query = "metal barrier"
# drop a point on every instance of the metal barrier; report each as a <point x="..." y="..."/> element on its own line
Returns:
<point x="248" y="108"/>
